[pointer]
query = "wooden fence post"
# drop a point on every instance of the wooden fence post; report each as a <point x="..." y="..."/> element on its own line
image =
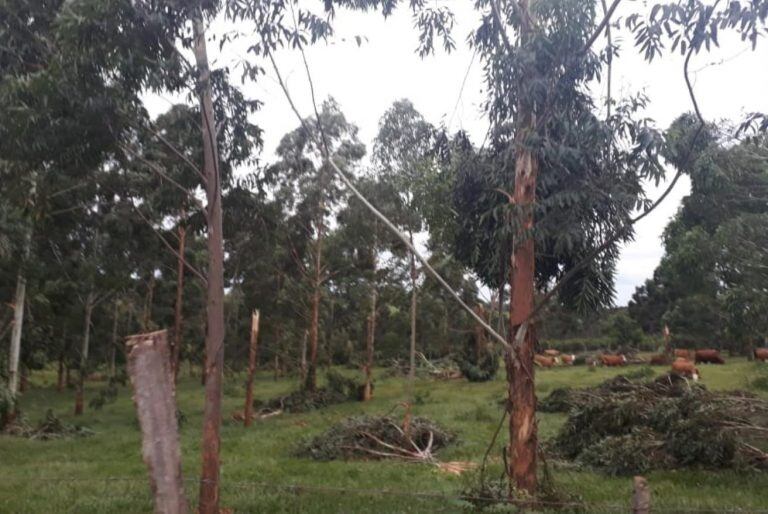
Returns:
<point x="152" y="379"/>
<point x="641" y="496"/>
<point x="248" y="411"/>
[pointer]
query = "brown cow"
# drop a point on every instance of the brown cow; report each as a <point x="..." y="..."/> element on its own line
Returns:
<point x="685" y="354"/>
<point x="544" y="361"/>
<point x="568" y="359"/>
<point x="659" y="359"/>
<point x="685" y="368"/>
<point x="761" y="354"/>
<point x="709" y="356"/>
<point x="613" y="360"/>
<point x="551" y="352"/>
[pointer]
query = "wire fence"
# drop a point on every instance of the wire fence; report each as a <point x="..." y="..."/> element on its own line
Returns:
<point x="303" y="497"/>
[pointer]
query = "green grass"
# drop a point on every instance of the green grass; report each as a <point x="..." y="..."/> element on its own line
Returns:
<point x="104" y="473"/>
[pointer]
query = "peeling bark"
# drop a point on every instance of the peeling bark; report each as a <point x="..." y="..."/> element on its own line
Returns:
<point x="148" y="367"/>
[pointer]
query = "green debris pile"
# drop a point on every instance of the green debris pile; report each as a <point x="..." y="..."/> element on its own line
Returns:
<point x="626" y="427"/>
<point x="340" y="389"/>
<point x="378" y="437"/>
<point x="49" y="428"/>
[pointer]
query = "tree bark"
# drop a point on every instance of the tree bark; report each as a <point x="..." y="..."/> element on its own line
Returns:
<point x="60" y="375"/>
<point x="177" y="320"/>
<point x="113" y="349"/>
<point x="412" y="347"/>
<point x="20" y="298"/>
<point x="311" y="382"/>
<point x="80" y="391"/>
<point x="522" y="458"/>
<point x="18" y="322"/>
<point x="214" y="341"/>
<point x="369" y="346"/>
<point x="149" y="368"/>
<point x="303" y="362"/>
<point x="253" y="351"/>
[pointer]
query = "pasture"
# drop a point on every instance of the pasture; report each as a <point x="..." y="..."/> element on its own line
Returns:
<point x="104" y="473"/>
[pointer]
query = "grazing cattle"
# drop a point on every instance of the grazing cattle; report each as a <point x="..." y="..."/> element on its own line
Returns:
<point x="552" y="353"/>
<point x="761" y="354"/>
<point x="544" y="361"/>
<point x="685" y="368"/>
<point x="709" y="356"/>
<point x="685" y="354"/>
<point x="659" y="359"/>
<point x="568" y="359"/>
<point x="613" y="360"/>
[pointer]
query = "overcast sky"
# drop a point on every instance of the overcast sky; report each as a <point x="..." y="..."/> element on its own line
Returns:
<point x="366" y="79"/>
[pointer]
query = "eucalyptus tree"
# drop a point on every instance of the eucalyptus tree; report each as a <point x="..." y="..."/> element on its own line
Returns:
<point x="403" y="154"/>
<point x="310" y="192"/>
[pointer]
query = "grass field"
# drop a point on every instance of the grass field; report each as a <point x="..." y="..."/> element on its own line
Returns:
<point x="104" y="473"/>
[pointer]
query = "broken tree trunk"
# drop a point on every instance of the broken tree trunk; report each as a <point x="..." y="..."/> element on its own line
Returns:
<point x="177" y="317"/>
<point x="641" y="496"/>
<point x="214" y="341"/>
<point x="248" y="411"/>
<point x="80" y="391"/>
<point x="148" y="367"/>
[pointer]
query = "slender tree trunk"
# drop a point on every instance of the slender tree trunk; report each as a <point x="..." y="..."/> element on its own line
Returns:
<point x="253" y="351"/>
<point x="314" y="327"/>
<point x="113" y="349"/>
<point x="67" y="375"/>
<point x="148" y="301"/>
<point x="214" y="341"/>
<point x="20" y="298"/>
<point x="522" y="457"/>
<point x="60" y="375"/>
<point x="303" y="362"/>
<point x="370" y="341"/>
<point x="18" y="322"/>
<point x="80" y="392"/>
<point x="24" y="379"/>
<point x="412" y="349"/>
<point x="177" y="321"/>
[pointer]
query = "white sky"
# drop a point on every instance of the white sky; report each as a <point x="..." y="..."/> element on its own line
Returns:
<point x="366" y="80"/>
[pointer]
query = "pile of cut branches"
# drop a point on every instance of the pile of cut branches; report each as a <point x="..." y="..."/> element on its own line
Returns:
<point x="626" y="427"/>
<point x="378" y="437"/>
<point x="340" y="389"/>
<point x="49" y="428"/>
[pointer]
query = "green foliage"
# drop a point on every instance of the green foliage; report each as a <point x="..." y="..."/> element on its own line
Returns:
<point x="479" y="360"/>
<point x="623" y="330"/>
<point x="106" y="395"/>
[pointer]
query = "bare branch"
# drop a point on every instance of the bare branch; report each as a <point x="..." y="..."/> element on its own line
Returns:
<point x="502" y="30"/>
<point x="391" y="226"/>
<point x="170" y="247"/>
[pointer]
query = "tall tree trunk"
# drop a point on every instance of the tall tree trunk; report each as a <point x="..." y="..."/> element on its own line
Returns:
<point x="18" y="322"/>
<point x="60" y="375"/>
<point x="253" y="351"/>
<point x="311" y="382"/>
<point x="20" y="298"/>
<point x="113" y="349"/>
<point x="412" y="348"/>
<point x="214" y="341"/>
<point x="177" y="318"/>
<point x="80" y="391"/>
<point x="522" y="450"/>
<point x="303" y="361"/>
<point x="146" y="320"/>
<point x="369" y="346"/>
